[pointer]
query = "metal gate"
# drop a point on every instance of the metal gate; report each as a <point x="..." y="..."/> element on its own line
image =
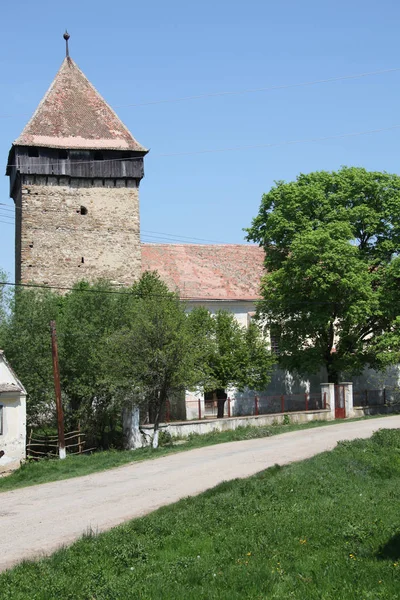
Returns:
<point x="340" y="402"/>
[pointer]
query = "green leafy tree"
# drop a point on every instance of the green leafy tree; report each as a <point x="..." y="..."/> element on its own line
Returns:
<point x="91" y="313"/>
<point x="156" y="351"/>
<point x="330" y="240"/>
<point x="231" y="355"/>
<point x="25" y="339"/>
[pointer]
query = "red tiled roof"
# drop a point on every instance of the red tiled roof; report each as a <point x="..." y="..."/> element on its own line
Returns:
<point x="74" y="115"/>
<point x="214" y="272"/>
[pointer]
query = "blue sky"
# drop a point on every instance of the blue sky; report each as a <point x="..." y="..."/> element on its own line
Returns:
<point x="141" y="52"/>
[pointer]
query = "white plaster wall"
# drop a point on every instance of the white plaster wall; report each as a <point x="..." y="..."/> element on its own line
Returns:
<point x="192" y="400"/>
<point x="240" y="310"/>
<point x="283" y="382"/>
<point x="13" y="438"/>
<point x="184" y="429"/>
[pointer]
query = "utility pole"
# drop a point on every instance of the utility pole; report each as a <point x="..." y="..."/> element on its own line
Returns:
<point x="57" y="387"/>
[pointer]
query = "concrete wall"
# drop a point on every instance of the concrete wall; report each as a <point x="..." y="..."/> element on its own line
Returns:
<point x="13" y="438"/>
<point x="55" y="236"/>
<point x="186" y="428"/>
<point x="240" y="309"/>
<point x="283" y="382"/>
<point x="363" y="411"/>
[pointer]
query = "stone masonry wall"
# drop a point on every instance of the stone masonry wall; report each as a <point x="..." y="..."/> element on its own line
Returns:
<point x="60" y="245"/>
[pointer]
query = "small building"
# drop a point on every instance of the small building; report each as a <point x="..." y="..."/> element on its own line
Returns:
<point x="215" y="276"/>
<point x="12" y="418"/>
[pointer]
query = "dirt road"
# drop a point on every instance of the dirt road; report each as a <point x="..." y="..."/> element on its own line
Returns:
<point x="37" y="520"/>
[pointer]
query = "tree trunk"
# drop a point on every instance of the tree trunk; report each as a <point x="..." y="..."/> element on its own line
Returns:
<point x="130" y="422"/>
<point x="155" y="437"/>
<point x="221" y="399"/>
<point x="333" y="375"/>
<point x="156" y="424"/>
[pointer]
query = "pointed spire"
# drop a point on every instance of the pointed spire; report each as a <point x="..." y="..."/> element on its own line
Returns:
<point x="74" y="115"/>
<point x="66" y="37"/>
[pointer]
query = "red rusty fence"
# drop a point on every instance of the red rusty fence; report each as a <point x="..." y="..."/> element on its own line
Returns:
<point x="283" y="403"/>
<point x="253" y="406"/>
<point x="383" y="397"/>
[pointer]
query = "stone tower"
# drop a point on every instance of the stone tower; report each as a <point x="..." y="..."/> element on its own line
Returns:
<point x="74" y="176"/>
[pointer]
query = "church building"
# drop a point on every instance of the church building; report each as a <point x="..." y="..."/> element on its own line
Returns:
<point x="75" y="173"/>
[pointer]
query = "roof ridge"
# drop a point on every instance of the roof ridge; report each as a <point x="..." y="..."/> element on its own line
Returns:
<point x="200" y="245"/>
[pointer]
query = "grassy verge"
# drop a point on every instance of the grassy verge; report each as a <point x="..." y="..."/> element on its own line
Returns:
<point x="326" y="528"/>
<point x="33" y="473"/>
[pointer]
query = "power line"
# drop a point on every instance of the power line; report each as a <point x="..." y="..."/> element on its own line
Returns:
<point x="253" y="146"/>
<point x="147" y="233"/>
<point x="263" y="89"/>
<point x="179" y="236"/>
<point x="138" y="296"/>
<point x="241" y="92"/>
<point x="167" y="237"/>
<point x="96" y="291"/>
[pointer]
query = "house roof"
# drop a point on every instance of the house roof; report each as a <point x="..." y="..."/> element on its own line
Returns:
<point x="207" y="272"/>
<point x="73" y="115"/>
<point x="9" y="387"/>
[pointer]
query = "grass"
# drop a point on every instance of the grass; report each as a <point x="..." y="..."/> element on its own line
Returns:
<point x="327" y="528"/>
<point x="45" y="471"/>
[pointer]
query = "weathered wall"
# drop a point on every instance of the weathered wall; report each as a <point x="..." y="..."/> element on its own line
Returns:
<point x="60" y="246"/>
<point x="184" y="429"/>
<point x="13" y="439"/>
<point x="240" y="308"/>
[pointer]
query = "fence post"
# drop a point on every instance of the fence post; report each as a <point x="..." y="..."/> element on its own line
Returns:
<point x="29" y="443"/>
<point x="256" y="405"/>
<point x="57" y="386"/>
<point x="199" y="405"/>
<point x="348" y="398"/>
<point x="79" y="438"/>
<point x="282" y="403"/>
<point x="229" y="407"/>
<point x="306" y="395"/>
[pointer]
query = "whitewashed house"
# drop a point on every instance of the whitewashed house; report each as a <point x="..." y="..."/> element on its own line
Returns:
<point x="227" y="277"/>
<point x="12" y="418"/>
<point x="218" y="277"/>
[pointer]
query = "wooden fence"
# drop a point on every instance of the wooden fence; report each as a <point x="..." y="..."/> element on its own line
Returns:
<point x="46" y="446"/>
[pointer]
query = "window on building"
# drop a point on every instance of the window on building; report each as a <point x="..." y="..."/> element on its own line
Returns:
<point x="33" y="152"/>
<point x="274" y="341"/>
<point x="63" y="154"/>
<point x="250" y="317"/>
<point x="83" y="155"/>
<point x="1" y="419"/>
<point x="83" y="210"/>
<point x="98" y="156"/>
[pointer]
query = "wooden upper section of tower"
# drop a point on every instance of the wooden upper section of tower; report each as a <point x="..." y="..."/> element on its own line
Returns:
<point x="75" y="134"/>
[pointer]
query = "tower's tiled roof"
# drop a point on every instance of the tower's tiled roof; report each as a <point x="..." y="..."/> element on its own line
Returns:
<point x="74" y="115"/>
<point x="214" y="272"/>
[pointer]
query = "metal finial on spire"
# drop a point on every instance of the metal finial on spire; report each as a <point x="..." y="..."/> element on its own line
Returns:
<point x="66" y="37"/>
